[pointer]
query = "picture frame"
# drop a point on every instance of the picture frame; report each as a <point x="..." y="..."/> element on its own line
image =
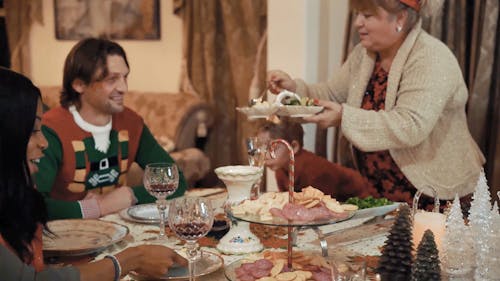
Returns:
<point x="111" y="19"/>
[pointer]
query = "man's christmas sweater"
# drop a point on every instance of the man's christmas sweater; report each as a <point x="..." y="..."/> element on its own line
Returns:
<point x="72" y="166"/>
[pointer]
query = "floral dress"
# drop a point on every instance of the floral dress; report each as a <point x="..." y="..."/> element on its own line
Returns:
<point x="379" y="167"/>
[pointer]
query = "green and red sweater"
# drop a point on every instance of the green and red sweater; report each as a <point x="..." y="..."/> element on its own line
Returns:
<point x="72" y="166"/>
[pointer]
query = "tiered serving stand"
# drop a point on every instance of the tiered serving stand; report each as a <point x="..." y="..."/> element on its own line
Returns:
<point x="236" y="189"/>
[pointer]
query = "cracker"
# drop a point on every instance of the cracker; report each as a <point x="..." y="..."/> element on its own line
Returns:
<point x="266" y="278"/>
<point x="304" y="274"/>
<point x="311" y="192"/>
<point x="304" y="201"/>
<point x="277" y="268"/>
<point x="312" y="204"/>
<point x="286" y="276"/>
<point x="334" y="206"/>
<point x="349" y="207"/>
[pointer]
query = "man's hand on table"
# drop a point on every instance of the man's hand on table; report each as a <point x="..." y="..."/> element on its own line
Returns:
<point x="116" y="200"/>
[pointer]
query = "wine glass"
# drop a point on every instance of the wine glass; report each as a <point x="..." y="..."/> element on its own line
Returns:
<point x="190" y="218"/>
<point x="256" y="150"/>
<point x="161" y="180"/>
<point x="347" y="270"/>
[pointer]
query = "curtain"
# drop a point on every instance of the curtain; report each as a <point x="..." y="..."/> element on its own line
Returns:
<point x="19" y="17"/>
<point x="471" y="31"/>
<point x="224" y="55"/>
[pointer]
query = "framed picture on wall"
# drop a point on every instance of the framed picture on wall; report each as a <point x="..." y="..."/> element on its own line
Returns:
<point x="112" y="19"/>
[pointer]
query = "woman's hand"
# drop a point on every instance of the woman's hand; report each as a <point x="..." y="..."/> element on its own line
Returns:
<point x="331" y="116"/>
<point x="155" y="260"/>
<point x="152" y="261"/>
<point x="278" y="81"/>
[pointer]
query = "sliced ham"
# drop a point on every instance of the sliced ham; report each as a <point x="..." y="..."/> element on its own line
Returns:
<point x="322" y="276"/>
<point x="264" y="264"/>
<point x="300" y="213"/>
<point x="254" y="270"/>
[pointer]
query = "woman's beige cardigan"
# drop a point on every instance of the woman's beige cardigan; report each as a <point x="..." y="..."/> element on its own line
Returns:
<point x="423" y="125"/>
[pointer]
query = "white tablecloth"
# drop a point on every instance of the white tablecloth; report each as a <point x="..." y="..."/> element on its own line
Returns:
<point x="307" y="240"/>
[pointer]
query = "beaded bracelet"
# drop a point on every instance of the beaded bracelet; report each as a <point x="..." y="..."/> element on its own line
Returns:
<point x="118" y="268"/>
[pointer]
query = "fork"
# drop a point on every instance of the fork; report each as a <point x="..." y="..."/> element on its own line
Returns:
<point x="254" y="101"/>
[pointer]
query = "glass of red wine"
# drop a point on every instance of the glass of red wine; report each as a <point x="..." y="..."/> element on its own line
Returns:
<point x="191" y="218"/>
<point x="161" y="180"/>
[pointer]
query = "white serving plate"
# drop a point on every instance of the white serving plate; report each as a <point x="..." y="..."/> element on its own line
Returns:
<point x="298" y="110"/>
<point x="375" y="211"/>
<point x="280" y="110"/>
<point x="256" y="112"/>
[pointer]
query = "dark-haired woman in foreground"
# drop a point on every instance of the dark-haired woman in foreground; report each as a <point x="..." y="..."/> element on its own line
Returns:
<point x="22" y="210"/>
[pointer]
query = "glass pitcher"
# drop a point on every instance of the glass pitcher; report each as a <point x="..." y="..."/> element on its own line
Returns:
<point x="423" y="220"/>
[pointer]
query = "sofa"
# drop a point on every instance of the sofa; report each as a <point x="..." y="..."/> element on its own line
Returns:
<point x="179" y="121"/>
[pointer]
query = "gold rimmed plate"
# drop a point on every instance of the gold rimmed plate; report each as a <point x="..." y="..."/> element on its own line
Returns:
<point x="75" y="237"/>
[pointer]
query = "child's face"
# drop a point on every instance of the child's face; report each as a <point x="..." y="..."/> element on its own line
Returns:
<point x="281" y="156"/>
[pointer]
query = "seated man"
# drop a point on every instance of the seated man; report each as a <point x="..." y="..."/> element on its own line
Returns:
<point x="93" y="139"/>
<point x="310" y="169"/>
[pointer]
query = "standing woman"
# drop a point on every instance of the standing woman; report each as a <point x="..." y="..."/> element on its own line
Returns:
<point x="400" y="101"/>
<point x="22" y="209"/>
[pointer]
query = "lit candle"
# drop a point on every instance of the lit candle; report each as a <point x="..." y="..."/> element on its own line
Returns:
<point x="429" y="220"/>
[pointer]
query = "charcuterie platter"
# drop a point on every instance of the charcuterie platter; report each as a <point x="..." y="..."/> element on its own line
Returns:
<point x="310" y="208"/>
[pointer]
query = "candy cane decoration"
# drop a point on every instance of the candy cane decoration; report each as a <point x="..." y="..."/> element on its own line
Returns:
<point x="291" y="166"/>
<point x="291" y="182"/>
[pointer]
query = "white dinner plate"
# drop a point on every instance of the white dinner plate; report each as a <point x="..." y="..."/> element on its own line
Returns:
<point x="145" y="212"/>
<point x="75" y="237"/>
<point x="209" y="192"/>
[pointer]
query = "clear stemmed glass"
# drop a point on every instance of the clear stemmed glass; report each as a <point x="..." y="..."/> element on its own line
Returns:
<point x="161" y="180"/>
<point x="256" y="150"/>
<point x="191" y="218"/>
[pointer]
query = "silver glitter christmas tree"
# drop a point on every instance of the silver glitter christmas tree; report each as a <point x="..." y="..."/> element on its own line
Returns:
<point x="490" y="270"/>
<point x="480" y="224"/>
<point x="457" y="243"/>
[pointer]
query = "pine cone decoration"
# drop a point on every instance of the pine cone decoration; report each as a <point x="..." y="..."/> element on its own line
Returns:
<point x="396" y="260"/>
<point x="426" y="266"/>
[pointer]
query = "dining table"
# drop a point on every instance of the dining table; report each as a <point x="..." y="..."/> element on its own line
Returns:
<point x="355" y="237"/>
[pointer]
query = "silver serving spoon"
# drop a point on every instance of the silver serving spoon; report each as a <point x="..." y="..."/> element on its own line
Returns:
<point x="254" y="101"/>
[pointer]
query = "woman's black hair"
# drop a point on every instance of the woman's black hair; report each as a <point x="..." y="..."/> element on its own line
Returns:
<point x="22" y="207"/>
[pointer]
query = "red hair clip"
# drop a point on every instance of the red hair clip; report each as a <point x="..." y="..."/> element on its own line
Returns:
<point x="415" y="4"/>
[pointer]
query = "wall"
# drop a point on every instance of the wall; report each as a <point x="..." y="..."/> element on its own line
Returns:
<point x="155" y="65"/>
<point x="305" y="39"/>
<point x="312" y="33"/>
